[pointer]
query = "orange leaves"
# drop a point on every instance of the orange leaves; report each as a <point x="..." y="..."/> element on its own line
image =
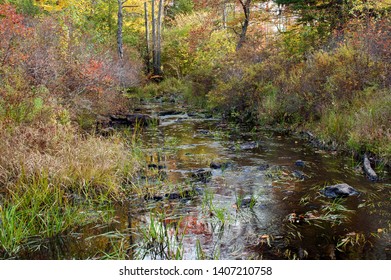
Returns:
<point x="197" y="36"/>
<point x="8" y="12"/>
<point x="11" y="24"/>
<point x="190" y="225"/>
<point x="11" y="27"/>
<point x="93" y="67"/>
<point x="97" y="75"/>
<point x="195" y="226"/>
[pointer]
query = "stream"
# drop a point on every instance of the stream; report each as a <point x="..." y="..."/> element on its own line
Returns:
<point x="219" y="190"/>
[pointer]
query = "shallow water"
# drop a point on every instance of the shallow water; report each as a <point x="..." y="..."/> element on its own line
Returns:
<point x="285" y="217"/>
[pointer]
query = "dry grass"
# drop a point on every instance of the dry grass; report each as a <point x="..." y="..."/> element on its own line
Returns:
<point x="69" y="159"/>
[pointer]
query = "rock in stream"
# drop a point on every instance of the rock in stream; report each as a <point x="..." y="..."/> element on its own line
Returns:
<point x="131" y="120"/>
<point x="202" y="175"/>
<point x="339" y="190"/>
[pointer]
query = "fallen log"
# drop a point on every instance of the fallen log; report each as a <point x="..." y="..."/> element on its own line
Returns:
<point x="371" y="174"/>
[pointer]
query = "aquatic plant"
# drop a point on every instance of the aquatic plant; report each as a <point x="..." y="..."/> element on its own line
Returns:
<point x="39" y="209"/>
<point x="245" y="201"/>
<point x="351" y="239"/>
<point x="159" y="241"/>
<point x="222" y="214"/>
<point x="200" y="254"/>
<point x="119" y="246"/>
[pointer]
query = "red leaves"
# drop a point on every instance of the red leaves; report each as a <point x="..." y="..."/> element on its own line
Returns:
<point x="9" y="13"/>
<point x="96" y="73"/>
<point x="11" y="28"/>
<point x="197" y="36"/>
<point x="190" y="225"/>
<point x="93" y="67"/>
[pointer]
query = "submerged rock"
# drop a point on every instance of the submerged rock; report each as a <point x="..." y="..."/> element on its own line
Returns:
<point x="203" y="131"/>
<point x="215" y="165"/>
<point x="263" y="167"/>
<point x="299" y="163"/>
<point x="248" y="146"/>
<point x="192" y="114"/>
<point x="186" y="194"/>
<point x="202" y="175"/>
<point x="299" y="174"/>
<point x="246" y="201"/>
<point x="339" y="190"/>
<point x="153" y="197"/>
<point x="219" y="165"/>
<point x="170" y="113"/>
<point x="244" y="146"/>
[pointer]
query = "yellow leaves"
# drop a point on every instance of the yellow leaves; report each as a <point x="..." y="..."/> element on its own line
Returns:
<point x="219" y="45"/>
<point x="363" y="6"/>
<point x="194" y="20"/>
<point x="59" y="5"/>
<point x="51" y="5"/>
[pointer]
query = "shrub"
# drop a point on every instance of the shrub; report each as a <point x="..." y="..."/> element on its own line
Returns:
<point x="371" y="130"/>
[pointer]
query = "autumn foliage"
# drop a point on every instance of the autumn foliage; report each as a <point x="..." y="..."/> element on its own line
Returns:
<point x="330" y="75"/>
<point x="52" y="53"/>
<point x="12" y="30"/>
<point x="55" y="81"/>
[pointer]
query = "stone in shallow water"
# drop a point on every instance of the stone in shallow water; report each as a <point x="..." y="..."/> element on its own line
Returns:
<point x="249" y="146"/>
<point x="299" y="174"/>
<point x="131" y="120"/>
<point x="219" y="165"/>
<point x="215" y="165"/>
<point x="170" y="113"/>
<point x="263" y="167"/>
<point x="246" y="201"/>
<point x="339" y="190"/>
<point x="202" y="175"/>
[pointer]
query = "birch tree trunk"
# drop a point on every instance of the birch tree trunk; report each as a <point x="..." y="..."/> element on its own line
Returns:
<point x="225" y="14"/>
<point x="147" y="57"/>
<point x="158" y="70"/>
<point x="119" y="29"/>
<point x="153" y="37"/>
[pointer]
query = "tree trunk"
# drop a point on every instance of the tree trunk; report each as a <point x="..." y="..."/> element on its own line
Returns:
<point x="119" y="30"/>
<point x="153" y="37"/>
<point x="340" y="19"/>
<point x="158" y="70"/>
<point x="225" y="14"/>
<point x="246" y="9"/>
<point x="147" y="58"/>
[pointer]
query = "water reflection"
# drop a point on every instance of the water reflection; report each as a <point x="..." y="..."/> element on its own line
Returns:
<point x="263" y="231"/>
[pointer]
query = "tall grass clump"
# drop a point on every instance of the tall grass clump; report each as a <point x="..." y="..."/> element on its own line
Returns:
<point x="371" y="130"/>
<point x="37" y="210"/>
<point x="51" y="174"/>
